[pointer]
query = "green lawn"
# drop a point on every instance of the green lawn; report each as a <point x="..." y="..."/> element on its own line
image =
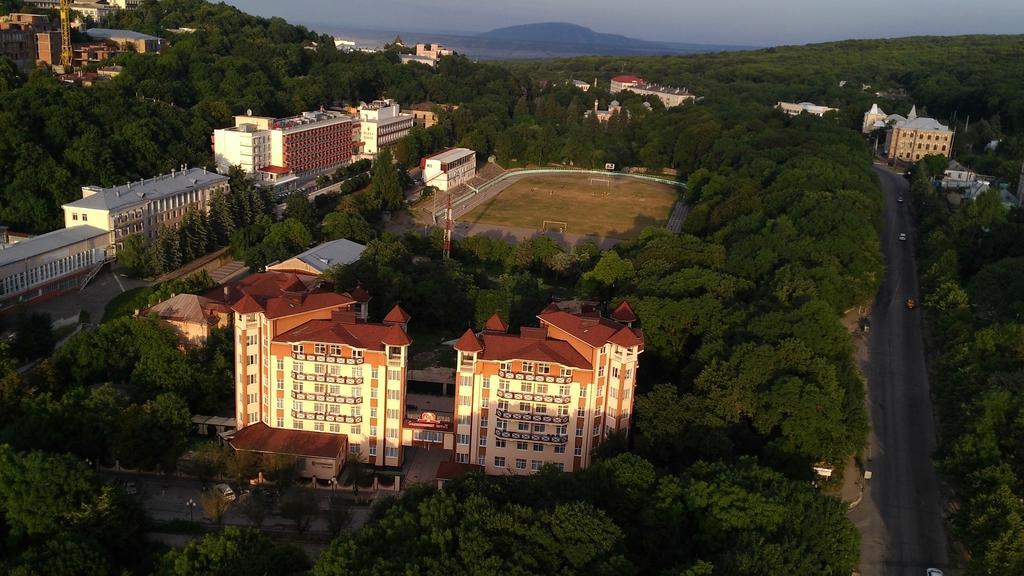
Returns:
<point x="126" y="303"/>
<point x="621" y="210"/>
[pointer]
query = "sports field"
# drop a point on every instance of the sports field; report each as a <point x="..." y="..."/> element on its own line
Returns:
<point x="579" y="205"/>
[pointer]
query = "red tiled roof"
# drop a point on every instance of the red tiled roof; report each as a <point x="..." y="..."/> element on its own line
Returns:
<point x="262" y="438"/>
<point x="363" y="336"/>
<point x="288" y="306"/>
<point x="271" y="169"/>
<point x="452" y="470"/>
<point x="627" y="337"/>
<point x="395" y="336"/>
<point x="359" y="294"/>
<point x="397" y="315"/>
<point x="247" y="305"/>
<point x="624" y="313"/>
<point x="496" y="324"/>
<point x="593" y="330"/>
<point x="627" y="78"/>
<point x="513" y="347"/>
<point x="468" y="342"/>
<point x="264" y="285"/>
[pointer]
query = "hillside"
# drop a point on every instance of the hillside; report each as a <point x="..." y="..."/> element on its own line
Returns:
<point x="565" y="33"/>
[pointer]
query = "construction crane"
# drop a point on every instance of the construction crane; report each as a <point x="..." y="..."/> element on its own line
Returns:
<point x="65" y="34"/>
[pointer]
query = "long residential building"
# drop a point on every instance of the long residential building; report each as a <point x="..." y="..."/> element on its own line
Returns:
<point x="143" y="207"/>
<point x="306" y="145"/>
<point x="668" y="95"/>
<point x="549" y="394"/>
<point x="798" y="108"/>
<point x="382" y="124"/>
<point x="307" y="360"/>
<point x="912" y="138"/>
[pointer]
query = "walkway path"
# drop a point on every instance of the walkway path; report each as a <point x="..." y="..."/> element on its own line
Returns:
<point x="675" y="219"/>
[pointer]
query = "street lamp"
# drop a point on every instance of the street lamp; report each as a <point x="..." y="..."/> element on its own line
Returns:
<point x="191" y="506"/>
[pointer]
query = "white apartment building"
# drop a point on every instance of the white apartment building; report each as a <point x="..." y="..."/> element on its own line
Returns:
<point x="145" y="206"/>
<point x="382" y="124"/>
<point x="449" y="169"/>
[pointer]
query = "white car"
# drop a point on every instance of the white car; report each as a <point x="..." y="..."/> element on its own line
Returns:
<point x="933" y="572"/>
<point x="224" y="491"/>
<point x="903" y="236"/>
<point x="899" y="198"/>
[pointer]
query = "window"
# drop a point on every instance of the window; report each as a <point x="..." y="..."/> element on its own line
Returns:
<point x="579" y="431"/>
<point x="565" y="373"/>
<point x="502" y="425"/>
<point x="298" y="367"/>
<point x="251" y="359"/>
<point x="538" y="447"/>
<point x="581" y="412"/>
<point x="484" y="402"/>
<point x="481" y="461"/>
<point x="483" y="439"/>
<point x="597" y="429"/>
<point x="483" y="422"/>
<point x="373" y="430"/>
<point x="629" y="373"/>
<point x="523" y="446"/>
<point x="280" y="363"/>
<point x="499" y="443"/>
<point x="319" y="348"/>
<point x="392" y="433"/>
<point x="600" y="389"/>
<point x="280" y="422"/>
<point x="85" y="217"/>
<point x="520" y="463"/>
<point x="583" y="392"/>
<point x="538" y="428"/>
<point x="542" y="388"/>
<point x="296" y="348"/>
<point x="319" y="368"/>
<point x="319" y="407"/>
<point x="486" y="383"/>
<point x="560" y="466"/>
<point x="466" y="381"/>
<point x="559" y="448"/>
<point x="577" y="451"/>
<point x="335" y="350"/>
<point x="394" y="374"/>
<point x="528" y="367"/>
<point x="357" y="448"/>
<point x="373" y="448"/>
<point x="280" y="402"/>
<point x="356" y="429"/>
<point x="336" y="428"/>
<point x="391" y="413"/>
<point x="613" y="392"/>
<point x="561" y="430"/>
<point x="465" y="419"/>
<point x="543" y="368"/>
<point x="506" y="367"/>
<point x="373" y="392"/>
<point x="540" y="409"/>
<point x="502" y="404"/>
<point x="615" y="371"/>
<point x="526" y="387"/>
<point x="499" y="461"/>
<point x="280" y="383"/>
<point x="298" y="406"/>
<point x="462" y="458"/>
<point x="391" y="452"/>
<point x="503" y="385"/>
<point x="465" y="400"/>
<point x="535" y="465"/>
<point x="318" y="426"/>
<point x="525" y="406"/>
<point x="250" y="340"/>
<point x="357" y="353"/>
<point x="251" y="398"/>
<point x="600" y="371"/>
<point x="523" y="427"/>
<point x="297" y="425"/>
<point x="394" y="394"/>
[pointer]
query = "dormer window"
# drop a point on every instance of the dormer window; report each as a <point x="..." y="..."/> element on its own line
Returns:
<point x="543" y="368"/>
<point x="528" y="367"/>
<point x="296" y="348"/>
<point x="506" y="366"/>
<point x="319" y="348"/>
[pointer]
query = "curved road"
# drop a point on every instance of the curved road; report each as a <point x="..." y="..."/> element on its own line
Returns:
<point x="900" y="516"/>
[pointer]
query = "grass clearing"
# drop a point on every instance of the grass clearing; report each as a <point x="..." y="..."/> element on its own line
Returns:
<point x="614" y="207"/>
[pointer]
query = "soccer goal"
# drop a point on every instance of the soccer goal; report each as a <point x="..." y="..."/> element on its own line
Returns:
<point x="554" y="226"/>
<point x="606" y="182"/>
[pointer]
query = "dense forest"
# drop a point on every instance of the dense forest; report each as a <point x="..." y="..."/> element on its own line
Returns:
<point x="747" y="379"/>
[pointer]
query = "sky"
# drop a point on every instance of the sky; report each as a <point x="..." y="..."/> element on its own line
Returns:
<point x="739" y="22"/>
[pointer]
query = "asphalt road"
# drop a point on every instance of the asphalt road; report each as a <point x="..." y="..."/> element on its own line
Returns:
<point x="900" y="516"/>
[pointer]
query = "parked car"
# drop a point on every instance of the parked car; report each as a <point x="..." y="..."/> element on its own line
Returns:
<point x="899" y="198"/>
<point x="933" y="572"/>
<point x="131" y="488"/>
<point x="911" y="303"/>
<point x="224" y="491"/>
<point x="903" y="236"/>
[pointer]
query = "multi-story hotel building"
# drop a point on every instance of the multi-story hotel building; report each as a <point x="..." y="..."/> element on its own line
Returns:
<point x="307" y="360"/>
<point x="549" y="394"/>
<point x="668" y="95"/>
<point x="913" y="138"/>
<point x="449" y="169"/>
<point x="382" y="124"/>
<point x="305" y="145"/>
<point x="145" y="206"/>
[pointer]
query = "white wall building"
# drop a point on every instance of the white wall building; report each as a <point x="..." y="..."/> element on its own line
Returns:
<point x="449" y="169"/>
<point x="381" y="124"/>
<point x="796" y="109"/>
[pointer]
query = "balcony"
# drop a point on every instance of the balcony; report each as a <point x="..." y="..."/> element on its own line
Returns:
<point x="526" y="417"/>
<point x="327" y="358"/>
<point x="534" y="377"/>
<point x="326" y="398"/>
<point x="327" y="378"/>
<point x="321" y="417"/>
<point x="528" y="397"/>
<point x="529" y="437"/>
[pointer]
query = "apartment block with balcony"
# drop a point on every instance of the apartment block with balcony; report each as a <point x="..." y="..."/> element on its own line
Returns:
<point x="307" y="361"/>
<point x="549" y="394"/>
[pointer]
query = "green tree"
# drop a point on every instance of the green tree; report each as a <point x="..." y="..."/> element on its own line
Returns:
<point x="347" y="225"/>
<point x="386" y="192"/>
<point x="233" y="551"/>
<point x="137" y="257"/>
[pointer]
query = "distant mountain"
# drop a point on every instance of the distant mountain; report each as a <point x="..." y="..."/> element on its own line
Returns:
<point x="557" y="37"/>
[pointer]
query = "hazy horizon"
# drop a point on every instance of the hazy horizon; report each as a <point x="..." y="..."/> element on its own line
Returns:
<point x="735" y="22"/>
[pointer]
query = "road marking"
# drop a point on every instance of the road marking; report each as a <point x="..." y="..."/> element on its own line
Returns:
<point x="118" y="280"/>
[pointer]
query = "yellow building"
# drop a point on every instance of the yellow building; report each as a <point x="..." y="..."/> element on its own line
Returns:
<point x="549" y="394"/>
<point x="913" y="138"/>
<point x="192" y="316"/>
<point x="306" y="361"/>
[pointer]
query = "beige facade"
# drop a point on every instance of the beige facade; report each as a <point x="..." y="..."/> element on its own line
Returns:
<point x="449" y="169"/>
<point x="50" y="264"/>
<point x="915" y="138"/>
<point x="145" y="206"/>
<point x="547" y="395"/>
<point x="305" y="361"/>
<point x="382" y="124"/>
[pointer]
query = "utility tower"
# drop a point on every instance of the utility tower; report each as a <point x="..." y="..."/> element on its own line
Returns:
<point x="449" y="223"/>
<point x="65" y="34"/>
